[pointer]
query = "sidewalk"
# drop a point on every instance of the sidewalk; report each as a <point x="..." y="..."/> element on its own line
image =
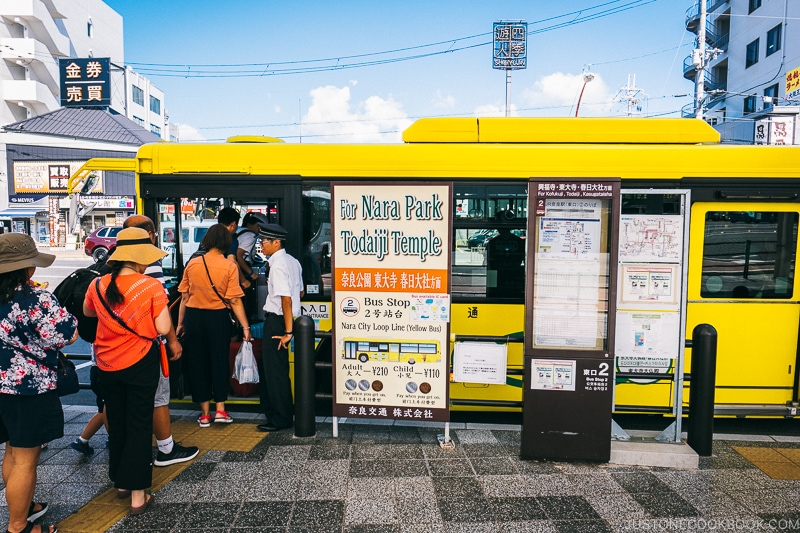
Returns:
<point x="396" y="478"/>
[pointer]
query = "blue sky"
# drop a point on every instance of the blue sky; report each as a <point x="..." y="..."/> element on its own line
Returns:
<point x="248" y="46"/>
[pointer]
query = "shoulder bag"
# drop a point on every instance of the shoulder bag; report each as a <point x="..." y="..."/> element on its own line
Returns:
<point x="156" y="340"/>
<point x="66" y="376"/>
<point x="227" y="305"/>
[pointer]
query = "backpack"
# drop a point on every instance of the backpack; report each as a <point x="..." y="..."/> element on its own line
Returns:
<point x="71" y="292"/>
<point x="248" y="254"/>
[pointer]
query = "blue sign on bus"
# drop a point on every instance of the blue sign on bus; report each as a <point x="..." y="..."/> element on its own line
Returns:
<point x="510" y="50"/>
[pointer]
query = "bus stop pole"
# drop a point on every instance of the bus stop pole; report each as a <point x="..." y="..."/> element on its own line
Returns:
<point x="700" y="424"/>
<point x="304" y="385"/>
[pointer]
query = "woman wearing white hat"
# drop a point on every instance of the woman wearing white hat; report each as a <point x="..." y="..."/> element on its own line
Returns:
<point x="33" y="326"/>
<point x="132" y="312"/>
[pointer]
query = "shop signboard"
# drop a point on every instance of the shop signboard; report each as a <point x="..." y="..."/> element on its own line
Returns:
<point x="48" y="177"/>
<point x="85" y="82"/>
<point x="391" y="301"/>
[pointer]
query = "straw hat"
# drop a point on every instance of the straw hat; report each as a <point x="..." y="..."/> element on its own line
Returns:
<point x="18" y="251"/>
<point x="134" y="245"/>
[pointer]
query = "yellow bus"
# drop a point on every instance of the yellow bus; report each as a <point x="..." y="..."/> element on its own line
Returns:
<point x="391" y="351"/>
<point x="742" y="245"/>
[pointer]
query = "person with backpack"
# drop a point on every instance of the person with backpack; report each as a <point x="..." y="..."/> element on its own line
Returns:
<point x="245" y="255"/>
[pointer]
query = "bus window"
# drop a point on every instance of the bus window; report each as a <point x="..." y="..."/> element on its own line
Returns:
<point x="489" y="226"/>
<point x="316" y="259"/>
<point x="749" y="255"/>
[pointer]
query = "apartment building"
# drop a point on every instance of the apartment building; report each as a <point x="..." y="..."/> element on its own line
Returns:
<point x="34" y="34"/>
<point x="751" y="68"/>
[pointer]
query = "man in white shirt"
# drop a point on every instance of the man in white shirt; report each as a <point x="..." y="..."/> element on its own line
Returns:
<point x="285" y="288"/>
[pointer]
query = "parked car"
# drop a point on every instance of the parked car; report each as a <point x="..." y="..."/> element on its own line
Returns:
<point x="100" y="241"/>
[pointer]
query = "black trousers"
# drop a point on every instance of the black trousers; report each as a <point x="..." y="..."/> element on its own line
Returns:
<point x="275" y="388"/>
<point x="206" y="346"/>
<point x="129" y="396"/>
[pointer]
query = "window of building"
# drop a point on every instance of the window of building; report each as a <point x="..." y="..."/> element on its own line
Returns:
<point x="138" y="95"/>
<point x="155" y="129"/>
<point x="749" y="104"/>
<point x="155" y="105"/>
<point x="752" y="54"/>
<point x="138" y="120"/>
<point x="770" y="96"/>
<point x="754" y="4"/>
<point x="774" y="40"/>
<point x="757" y="263"/>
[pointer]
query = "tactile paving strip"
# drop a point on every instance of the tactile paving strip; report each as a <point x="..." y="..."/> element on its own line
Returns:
<point x="777" y="463"/>
<point x="106" y="510"/>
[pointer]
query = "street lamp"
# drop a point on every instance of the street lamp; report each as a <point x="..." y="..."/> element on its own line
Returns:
<point x="587" y="77"/>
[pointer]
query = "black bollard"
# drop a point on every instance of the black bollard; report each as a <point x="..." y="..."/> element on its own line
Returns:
<point x="304" y="384"/>
<point x="700" y="425"/>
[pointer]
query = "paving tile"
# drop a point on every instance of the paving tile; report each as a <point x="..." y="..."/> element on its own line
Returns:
<point x="471" y="510"/>
<point x="664" y="504"/>
<point x="481" y="436"/>
<point x="531" y="526"/>
<point x="210" y="515"/>
<point x="567" y="508"/>
<point x="317" y="514"/>
<point x="263" y="514"/>
<point x="614" y="505"/>
<point x="450" y="467"/>
<point x="493" y="466"/>
<point x="370" y="468"/>
<point x="516" y="509"/>
<point x="418" y="512"/>
<point x="640" y="482"/>
<point x="456" y="487"/>
<point x="549" y="485"/>
<point x="416" y="487"/>
<point x="374" y="510"/>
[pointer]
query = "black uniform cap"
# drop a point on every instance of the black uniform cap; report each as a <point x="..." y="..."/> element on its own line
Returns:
<point x="272" y="231"/>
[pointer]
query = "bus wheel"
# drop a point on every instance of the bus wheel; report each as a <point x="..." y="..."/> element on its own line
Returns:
<point x="363" y="357"/>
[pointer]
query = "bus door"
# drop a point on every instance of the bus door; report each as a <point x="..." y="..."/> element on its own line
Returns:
<point x="742" y="282"/>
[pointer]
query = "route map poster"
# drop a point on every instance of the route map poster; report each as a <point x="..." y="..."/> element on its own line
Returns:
<point x="391" y="301"/>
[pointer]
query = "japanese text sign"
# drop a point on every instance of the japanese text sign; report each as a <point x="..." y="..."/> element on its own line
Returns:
<point x="85" y="82"/>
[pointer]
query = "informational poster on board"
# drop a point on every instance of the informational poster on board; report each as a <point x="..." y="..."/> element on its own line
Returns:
<point x="649" y="300"/>
<point x="480" y="362"/>
<point x="391" y="257"/>
<point x="568" y="273"/>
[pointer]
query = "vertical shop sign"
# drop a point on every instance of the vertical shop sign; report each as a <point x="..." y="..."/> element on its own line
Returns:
<point x="85" y="82"/>
<point x="391" y="257"/>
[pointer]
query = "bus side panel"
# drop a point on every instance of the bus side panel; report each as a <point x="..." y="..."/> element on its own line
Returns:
<point x="490" y="319"/>
<point x="756" y="349"/>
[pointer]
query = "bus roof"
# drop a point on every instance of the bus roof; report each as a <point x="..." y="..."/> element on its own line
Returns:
<point x="561" y="131"/>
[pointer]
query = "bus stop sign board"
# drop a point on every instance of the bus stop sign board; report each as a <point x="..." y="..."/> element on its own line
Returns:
<point x="391" y="300"/>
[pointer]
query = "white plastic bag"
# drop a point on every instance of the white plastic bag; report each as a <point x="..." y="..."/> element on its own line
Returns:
<point x="245" y="369"/>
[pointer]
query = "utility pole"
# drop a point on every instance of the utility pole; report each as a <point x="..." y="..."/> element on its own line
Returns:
<point x="699" y="61"/>
<point x="630" y="95"/>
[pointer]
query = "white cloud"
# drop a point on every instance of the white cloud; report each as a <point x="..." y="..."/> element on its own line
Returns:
<point x="189" y="133"/>
<point x="443" y="102"/>
<point x="557" y="95"/>
<point x="332" y="118"/>
<point x="495" y="110"/>
<point x="277" y="109"/>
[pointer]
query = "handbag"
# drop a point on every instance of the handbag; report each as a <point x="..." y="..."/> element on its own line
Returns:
<point x="245" y="368"/>
<point x="156" y="340"/>
<point x="66" y="376"/>
<point x="231" y="316"/>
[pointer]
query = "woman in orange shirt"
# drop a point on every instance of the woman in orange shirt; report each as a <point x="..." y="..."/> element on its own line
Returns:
<point x="132" y="312"/>
<point x="209" y="288"/>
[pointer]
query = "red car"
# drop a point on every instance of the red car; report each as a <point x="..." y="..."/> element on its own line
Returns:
<point x="100" y="241"/>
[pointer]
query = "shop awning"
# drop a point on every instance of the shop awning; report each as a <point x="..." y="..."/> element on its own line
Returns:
<point x="21" y="213"/>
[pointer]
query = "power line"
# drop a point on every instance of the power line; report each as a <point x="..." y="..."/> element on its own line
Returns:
<point x="278" y="68"/>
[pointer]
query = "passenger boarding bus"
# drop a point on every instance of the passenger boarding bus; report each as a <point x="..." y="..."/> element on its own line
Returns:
<point x="742" y="245"/>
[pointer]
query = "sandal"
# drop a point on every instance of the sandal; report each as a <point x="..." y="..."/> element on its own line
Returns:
<point x="204" y="421"/>
<point x="148" y="499"/>
<point x="33" y="515"/>
<point x="30" y="525"/>
<point x="223" y="417"/>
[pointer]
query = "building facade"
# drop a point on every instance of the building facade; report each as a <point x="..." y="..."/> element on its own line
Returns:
<point x="35" y="34"/>
<point x="750" y="67"/>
